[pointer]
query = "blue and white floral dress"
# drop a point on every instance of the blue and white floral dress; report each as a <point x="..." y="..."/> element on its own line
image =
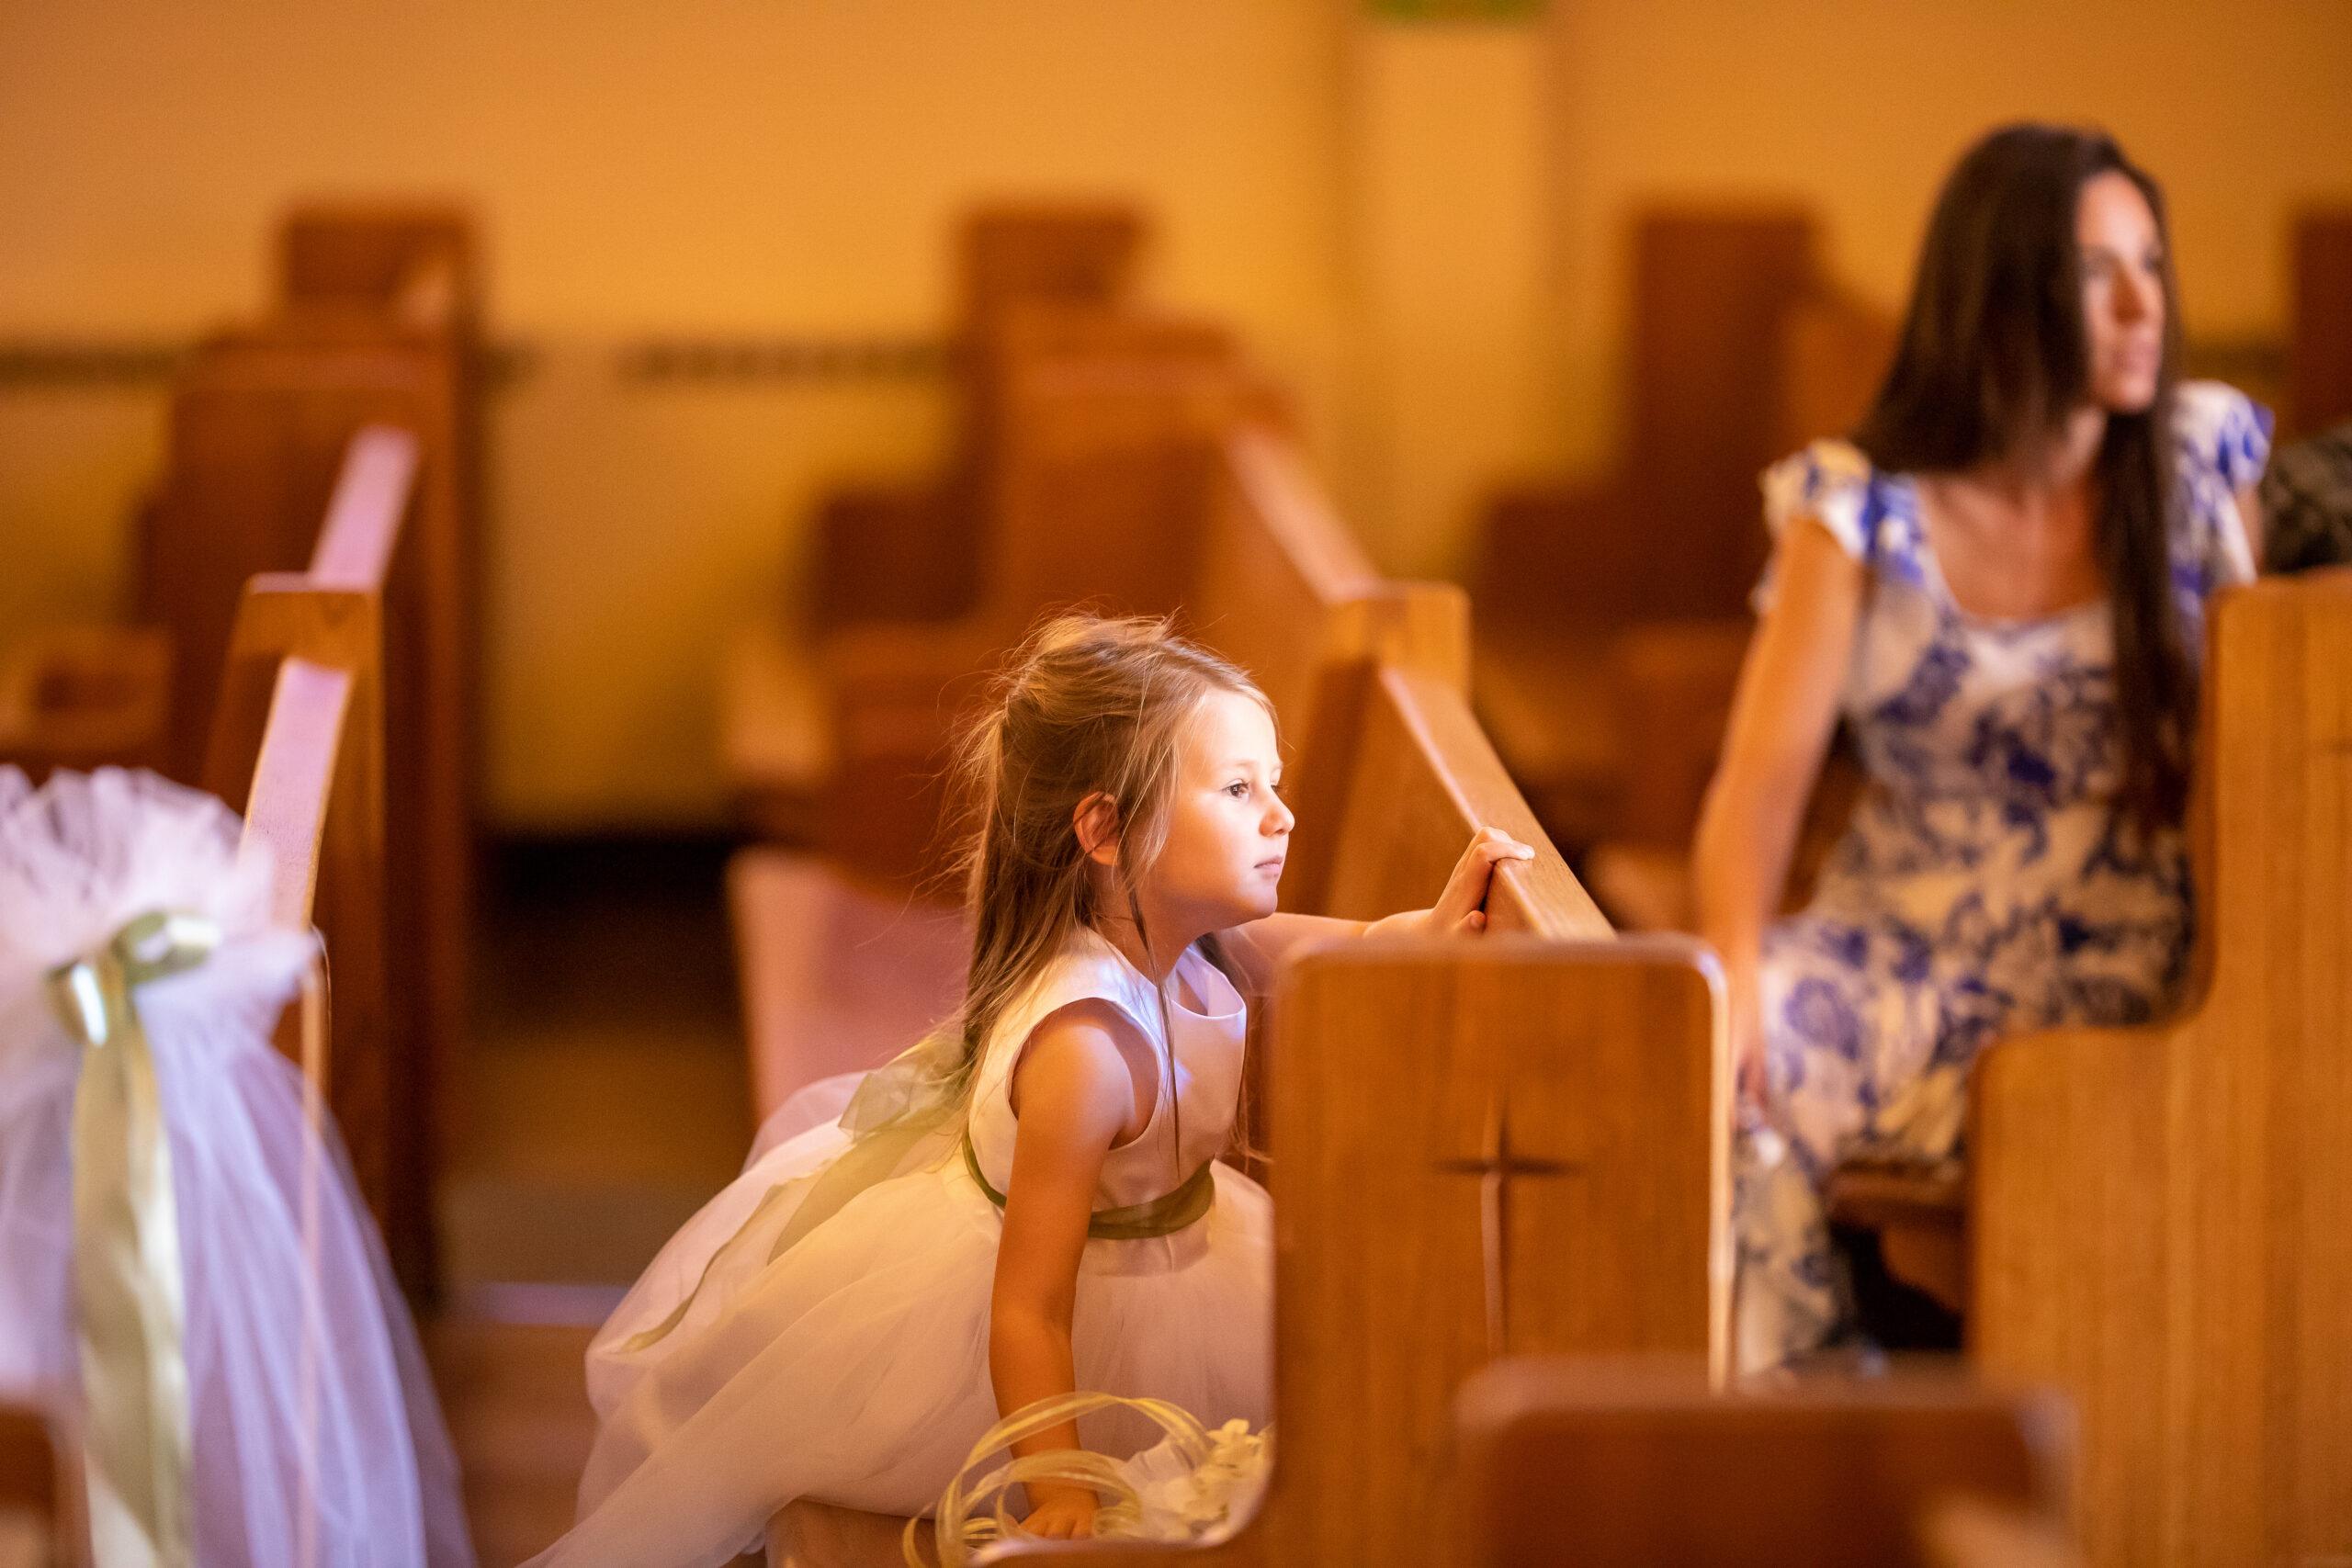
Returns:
<point x="1983" y="887"/>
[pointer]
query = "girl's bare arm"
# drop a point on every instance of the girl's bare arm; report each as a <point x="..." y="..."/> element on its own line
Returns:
<point x="1259" y="947"/>
<point x="1781" y="716"/>
<point x="1075" y="1096"/>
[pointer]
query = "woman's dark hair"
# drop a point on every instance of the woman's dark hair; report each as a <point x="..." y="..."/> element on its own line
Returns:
<point x="1994" y="354"/>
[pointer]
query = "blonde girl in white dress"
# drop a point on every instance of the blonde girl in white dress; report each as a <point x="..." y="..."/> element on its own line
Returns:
<point x="1029" y="1202"/>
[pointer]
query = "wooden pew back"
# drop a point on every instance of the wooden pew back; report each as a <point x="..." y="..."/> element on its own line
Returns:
<point x="300" y="726"/>
<point x="261" y="427"/>
<point x="299" y="738"/>
<point x="417" y="263"/>
<point x="2158" y="1217"/>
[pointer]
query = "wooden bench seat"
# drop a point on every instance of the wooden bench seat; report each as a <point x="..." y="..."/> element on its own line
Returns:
<point x="1641" y="1464"/>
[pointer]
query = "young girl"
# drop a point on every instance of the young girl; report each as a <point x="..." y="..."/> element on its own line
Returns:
<point x="1029" y="1202"/>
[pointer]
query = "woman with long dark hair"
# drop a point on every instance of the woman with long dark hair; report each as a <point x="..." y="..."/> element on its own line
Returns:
<point x="1999" y="582"/>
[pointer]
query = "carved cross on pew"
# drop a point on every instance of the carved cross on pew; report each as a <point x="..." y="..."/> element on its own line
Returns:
<point x="1494" y="1167"/>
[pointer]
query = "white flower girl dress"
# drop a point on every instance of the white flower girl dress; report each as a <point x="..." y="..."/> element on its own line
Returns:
<point x="820" y="1329"/>
<point x="307" y="1431"/>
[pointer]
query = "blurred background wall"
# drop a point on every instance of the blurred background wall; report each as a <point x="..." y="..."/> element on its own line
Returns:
<point x="1418" y="226"/>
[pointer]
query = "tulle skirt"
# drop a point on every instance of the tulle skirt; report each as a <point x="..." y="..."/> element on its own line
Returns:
<point x="311" y="1409"/>
<point x="853" y="1367"/>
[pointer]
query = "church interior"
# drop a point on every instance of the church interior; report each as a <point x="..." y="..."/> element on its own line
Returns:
<point x="563" y="477"/>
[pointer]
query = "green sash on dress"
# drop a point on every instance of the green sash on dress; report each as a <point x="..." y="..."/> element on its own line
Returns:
<point x="1164" y="1216"/>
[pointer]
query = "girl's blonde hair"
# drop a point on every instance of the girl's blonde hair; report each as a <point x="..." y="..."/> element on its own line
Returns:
<point x="1087" y="706"/>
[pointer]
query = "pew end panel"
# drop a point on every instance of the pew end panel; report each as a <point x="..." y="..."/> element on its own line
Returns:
<point x="1637" y="1463"/>
<point x="2161" y="1219"/>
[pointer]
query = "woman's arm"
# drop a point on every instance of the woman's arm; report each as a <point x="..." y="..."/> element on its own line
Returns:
<point x="1075" y="1097"/>
<point x="1781" y="716"/>
<point x="1257" y="948"/>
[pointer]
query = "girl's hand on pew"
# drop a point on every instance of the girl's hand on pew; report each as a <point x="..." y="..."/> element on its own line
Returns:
<point x="1458" y="910"/>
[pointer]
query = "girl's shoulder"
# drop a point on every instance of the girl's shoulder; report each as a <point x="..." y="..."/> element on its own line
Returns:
<point x="1872" y="514"/>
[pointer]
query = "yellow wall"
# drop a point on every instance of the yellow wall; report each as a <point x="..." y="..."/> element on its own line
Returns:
<point x="767" y="166"/>
<point x="2240" y="107"/>
<point x="1419" y="229"/>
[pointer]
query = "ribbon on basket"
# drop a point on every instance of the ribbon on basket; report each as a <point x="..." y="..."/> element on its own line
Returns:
<point x="130" y="1312"/>
<point x="1196" y="1486"/>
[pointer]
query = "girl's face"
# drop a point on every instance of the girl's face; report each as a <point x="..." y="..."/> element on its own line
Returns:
<point x="1228" y="832"/>
<point x="2123" y="292"/>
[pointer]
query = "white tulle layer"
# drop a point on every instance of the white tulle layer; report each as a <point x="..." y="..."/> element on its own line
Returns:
<point x="79" y="858"/>
<point x="853" y="1368"/>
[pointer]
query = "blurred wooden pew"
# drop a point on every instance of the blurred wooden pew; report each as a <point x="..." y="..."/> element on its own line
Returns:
<point x="297" y="738"/>
<point x="918" y="556"/>
<point x="1120" y="496"/>
<point x="1613" y="616"/>
<point x="1639" y="1464"/>
<point x="299" y="724"/>
<point x="377" y="324"/>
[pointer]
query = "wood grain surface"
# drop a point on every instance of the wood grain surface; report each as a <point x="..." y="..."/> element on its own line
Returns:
<point x="2161" y="1219"/>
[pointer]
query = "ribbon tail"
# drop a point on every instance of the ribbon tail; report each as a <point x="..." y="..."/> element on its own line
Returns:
<point x="132" y="1309"/>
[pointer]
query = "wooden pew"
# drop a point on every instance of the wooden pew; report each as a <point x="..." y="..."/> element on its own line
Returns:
<point x="302" y="721"/>
<point x="260" y="431"/>
<point x="377" y="325"/>
<point x="811" y="727"/>
<point x="1671" y="682"/>
<point x="1670" y="532"/>
<point x="920" y="556"/>
<point x="1637" y="1464"/>
<point x="917" y="555"/>
<point x="2157" y="1217"/>
<point x="299" y="738"/>
<point x="1614" y="615"/>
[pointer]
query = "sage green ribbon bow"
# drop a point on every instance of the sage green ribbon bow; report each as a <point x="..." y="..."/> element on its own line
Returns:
<point x="132" y="1314"/>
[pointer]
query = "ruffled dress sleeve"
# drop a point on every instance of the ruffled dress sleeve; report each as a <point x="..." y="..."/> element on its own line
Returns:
<point x="2220" y="444"/>
<point x="1833" y="483"/>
